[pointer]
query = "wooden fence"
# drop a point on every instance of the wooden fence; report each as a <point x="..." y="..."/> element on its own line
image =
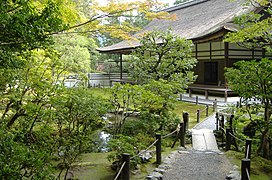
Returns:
<point x="124" y="171"/>
<point x="230" y="139"/>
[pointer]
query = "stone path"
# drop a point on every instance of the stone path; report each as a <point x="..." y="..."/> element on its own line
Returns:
<point x="204" y="161"/>
<point x="198" y="165"/>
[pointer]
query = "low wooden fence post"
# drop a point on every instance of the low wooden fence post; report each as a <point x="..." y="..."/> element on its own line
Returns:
<point x="196" y="100"/>
<point x="231" y="121"/>
<point x="245" y="169"/>
<point x="207" y="110"/>
<point x="222" y="126"/>
<point x="197" y="115"/>
<point x="126" y="169"/>
<point x="185" y="116"/>
<point x="248" y="148"/>
<point x="228" y="139"/>
<point x="180" y="97"/>
<point x="217" y="120"/>
<point x="158" y="149"/>
<point x="215" y="105"/>
<point x="182" y="134"/>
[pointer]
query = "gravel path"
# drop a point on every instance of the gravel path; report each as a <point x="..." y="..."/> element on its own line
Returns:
<point x="197" y="165"/>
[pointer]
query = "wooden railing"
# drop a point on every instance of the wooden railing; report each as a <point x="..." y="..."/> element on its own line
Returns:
<point x="231" y="139"/>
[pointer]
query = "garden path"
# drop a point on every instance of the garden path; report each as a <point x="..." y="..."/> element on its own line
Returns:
<point x="204" y="161"/>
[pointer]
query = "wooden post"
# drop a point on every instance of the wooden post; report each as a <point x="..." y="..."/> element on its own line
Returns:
<point x="182" y="134"/>
<point x="245" y="168"/>
<point x="197" y="115"/>
<point x="185" y="116"/>
<point x="222" y="126"/>
<point x="217" y="120"/>
<point x="190" y="93"/>
<point x="248" y="148"/>
<point x="180" y="97"/>
<point x="237" y="104"/>
<point x="240" y="102"/>
<point x="222" y="121"/>
<point x="215" y="105"/>
<point x="126" y="169"/>
<point x="226" y="95"/>
<point x="196" y="100"/>
<point x="158" y="149"/>
<point x="206" y="94"/>
<point x="228" y="139"/>
<point x="88" y="82"/>
<point x="231" y="121"/>
<point x="207" y="110"/>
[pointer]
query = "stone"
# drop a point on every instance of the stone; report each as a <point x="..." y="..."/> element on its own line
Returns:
<point x="155" y="176"/>
<point x="235" y="175"/>
<point x="159" y="170"/>
<point x="145" y="156"/>
<point x="164" y="166"/>
<point x="183" y="152"/>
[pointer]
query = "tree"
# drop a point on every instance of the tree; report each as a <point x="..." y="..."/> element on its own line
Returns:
<point x="252" y="79"/>
<point x="38" y="111"/>
<point x="164" y="56"/>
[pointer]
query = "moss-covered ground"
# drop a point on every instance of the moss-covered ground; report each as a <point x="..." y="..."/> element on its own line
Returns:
<point x="260" y="168"/>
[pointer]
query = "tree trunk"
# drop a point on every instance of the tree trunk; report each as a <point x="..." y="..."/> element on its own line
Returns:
<point x="265" y="145"/>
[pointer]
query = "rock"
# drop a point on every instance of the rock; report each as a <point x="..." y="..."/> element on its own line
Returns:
<point x="183" y="152"/>
<point x="146" y="156"/>
<point x="159" y="170"/>
<point x="164" y="166"/>
<point x="181" y="148"/>
<point x="235" y="167"/>
<point x="155" y="176"/>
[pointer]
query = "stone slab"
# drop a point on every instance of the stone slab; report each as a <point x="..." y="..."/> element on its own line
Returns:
<point x="204" y="140"/>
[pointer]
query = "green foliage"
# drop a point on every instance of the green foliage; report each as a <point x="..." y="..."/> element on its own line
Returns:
<point x="165" y="56"/>
<point x="254" y="30"/>
<point x="25" y="26"/>
<point x="251" y="79"/>
<point x="76" y="52"/>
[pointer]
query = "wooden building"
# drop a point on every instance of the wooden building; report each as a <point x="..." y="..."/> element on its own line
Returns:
<point x="205" y="22"/>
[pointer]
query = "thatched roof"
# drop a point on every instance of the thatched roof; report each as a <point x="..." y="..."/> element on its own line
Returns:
<point x="195" y="20"/>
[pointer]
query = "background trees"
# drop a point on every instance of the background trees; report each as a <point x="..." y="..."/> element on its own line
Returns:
<point x="43" y="124"/>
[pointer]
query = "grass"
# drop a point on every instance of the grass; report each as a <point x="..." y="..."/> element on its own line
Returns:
<point x="191" y="108"/>
<point x="260" y="168"/>
<point x="96" y="166"/>
<point x="93" y="166"/>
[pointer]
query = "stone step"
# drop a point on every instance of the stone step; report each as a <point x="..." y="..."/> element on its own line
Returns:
<point x="204" y="140"/>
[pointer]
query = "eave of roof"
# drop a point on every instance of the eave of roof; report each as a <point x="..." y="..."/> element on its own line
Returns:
<point x="196" y="20"/>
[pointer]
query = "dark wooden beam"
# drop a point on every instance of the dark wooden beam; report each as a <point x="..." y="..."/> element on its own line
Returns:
<point x="210" y="51"/>
<point x="121" y="66"/>
<point x="226" y="49"/>
<point x="263" y="52"/>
